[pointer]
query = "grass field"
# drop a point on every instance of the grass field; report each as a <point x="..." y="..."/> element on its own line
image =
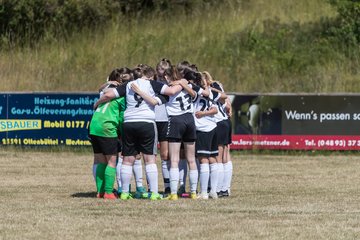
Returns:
<point x="50" y="195"/>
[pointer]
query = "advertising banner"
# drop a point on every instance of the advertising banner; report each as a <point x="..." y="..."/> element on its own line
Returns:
<point x="329" y="122"/>
<point x="45" y="119"/>
<point x="304" y="122"/>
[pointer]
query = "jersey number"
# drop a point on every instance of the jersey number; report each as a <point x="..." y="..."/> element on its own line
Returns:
<point x="206" y="104"/>
<point x="188" y="100"/>
<point x="138" y="99"/>
<point x="103" y="107"/>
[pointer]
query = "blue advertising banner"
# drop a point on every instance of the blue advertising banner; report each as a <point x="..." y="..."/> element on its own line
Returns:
<point x="45" y="119"/>
<point x="3" y="114"/>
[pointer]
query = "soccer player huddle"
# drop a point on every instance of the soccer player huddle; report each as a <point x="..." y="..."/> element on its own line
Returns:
<point x="178" y="107"/>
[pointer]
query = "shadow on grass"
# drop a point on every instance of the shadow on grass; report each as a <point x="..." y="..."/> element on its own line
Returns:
<point x="93" y="194"/>
<point x="84" y="195"/>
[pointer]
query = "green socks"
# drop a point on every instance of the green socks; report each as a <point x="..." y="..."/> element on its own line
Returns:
<point x="110" y="173"/>
<point x="100" y="177"/>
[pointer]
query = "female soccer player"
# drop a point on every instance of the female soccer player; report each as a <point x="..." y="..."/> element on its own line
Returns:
<point x="103" y="129"/>
<point x="161" y="119"/>
<point x="181" y="129"/>
<point x="206" y="141"/>
<point x="224" y="139"/>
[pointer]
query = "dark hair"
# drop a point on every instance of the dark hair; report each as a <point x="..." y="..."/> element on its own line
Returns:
<point x="137" y="72"/>
<point x="120" y="75"/>
<point x="148" y="71"/>
<point x="194" y="67"/>
<point x="183" y="64"/>
<point x="193" y="76"/>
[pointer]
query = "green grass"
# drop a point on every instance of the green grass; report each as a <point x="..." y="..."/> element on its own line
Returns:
<point x="51" y="196"/>
<point x="292" y="58"/>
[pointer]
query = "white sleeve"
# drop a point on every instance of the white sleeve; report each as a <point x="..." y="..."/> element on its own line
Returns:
<point x="116" y="92"/>
<point x="163" y="89"/>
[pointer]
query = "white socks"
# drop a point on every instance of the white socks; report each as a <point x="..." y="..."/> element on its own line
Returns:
<point x="231" y="173"/>
<point x="174" y="180"/>
<point x="220" y="177"/>
<point x="194" y="176"/>
<point x="138" y="173"/>
<point x="165" y="167"/>
<point x="126" y="173"/>
<point x="214" y="173"/>
<point x="118" y="172"/>
<point x="152" y="175"/>
<point x="204" y="177"/>
<point x="227" y="176"/>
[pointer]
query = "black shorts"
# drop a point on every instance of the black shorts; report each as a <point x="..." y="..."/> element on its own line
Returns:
<point x="162" y="128"/>
<point x="119" y="144"/>
<point x="223" y="132"/>
<point x="139" y="137"/>
<point x="230" y="131"/>
<point x="181" y="128"/>
<point x="104" y="145"/>
<point x="206" y="144"/>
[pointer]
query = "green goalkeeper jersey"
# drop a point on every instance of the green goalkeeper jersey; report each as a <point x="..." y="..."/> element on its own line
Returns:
<point x="108" y="118"/>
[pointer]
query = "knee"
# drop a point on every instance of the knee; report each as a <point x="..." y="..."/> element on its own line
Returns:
<point x="164" y="155"/>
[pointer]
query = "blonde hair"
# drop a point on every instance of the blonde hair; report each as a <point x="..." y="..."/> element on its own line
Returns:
<point x="208" y="78"/>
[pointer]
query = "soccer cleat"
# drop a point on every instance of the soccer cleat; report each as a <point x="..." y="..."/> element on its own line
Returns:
<point x="140" y="192"/>
<point x="203" y="196"/>
<point x="167" y="190"/>
<point x="100" y="195"/>
<point x="172" y="196"/>
<point x="185" y="195"/>
<point x="181" y="190"/>
<point x="115" y="192"/>
<point x="219" y="194"/>
<point x="193" y="195"/>
<point x="224" y="193"/>
<point x="125" y="196"/>
<point x="155" y="196"/>
<point x="213" y="195"/>
<point x="146" y="195"/>
<point x="109" y="196"/>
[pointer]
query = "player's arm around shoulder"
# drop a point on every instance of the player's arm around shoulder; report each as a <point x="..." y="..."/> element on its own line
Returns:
<point x="109" y="94"/>
<point x="167" y="90"/>
<point x="188" y="87"/>
<point x="212" y="111"/>
<point x="149" y="99"/>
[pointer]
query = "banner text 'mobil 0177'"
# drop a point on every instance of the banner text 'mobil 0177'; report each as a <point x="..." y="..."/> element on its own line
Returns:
<point x="45" y="119"/>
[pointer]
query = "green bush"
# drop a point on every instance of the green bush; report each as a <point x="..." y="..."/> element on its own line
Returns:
<point x="346" y="28"/>
<point x="27" y="21"/>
